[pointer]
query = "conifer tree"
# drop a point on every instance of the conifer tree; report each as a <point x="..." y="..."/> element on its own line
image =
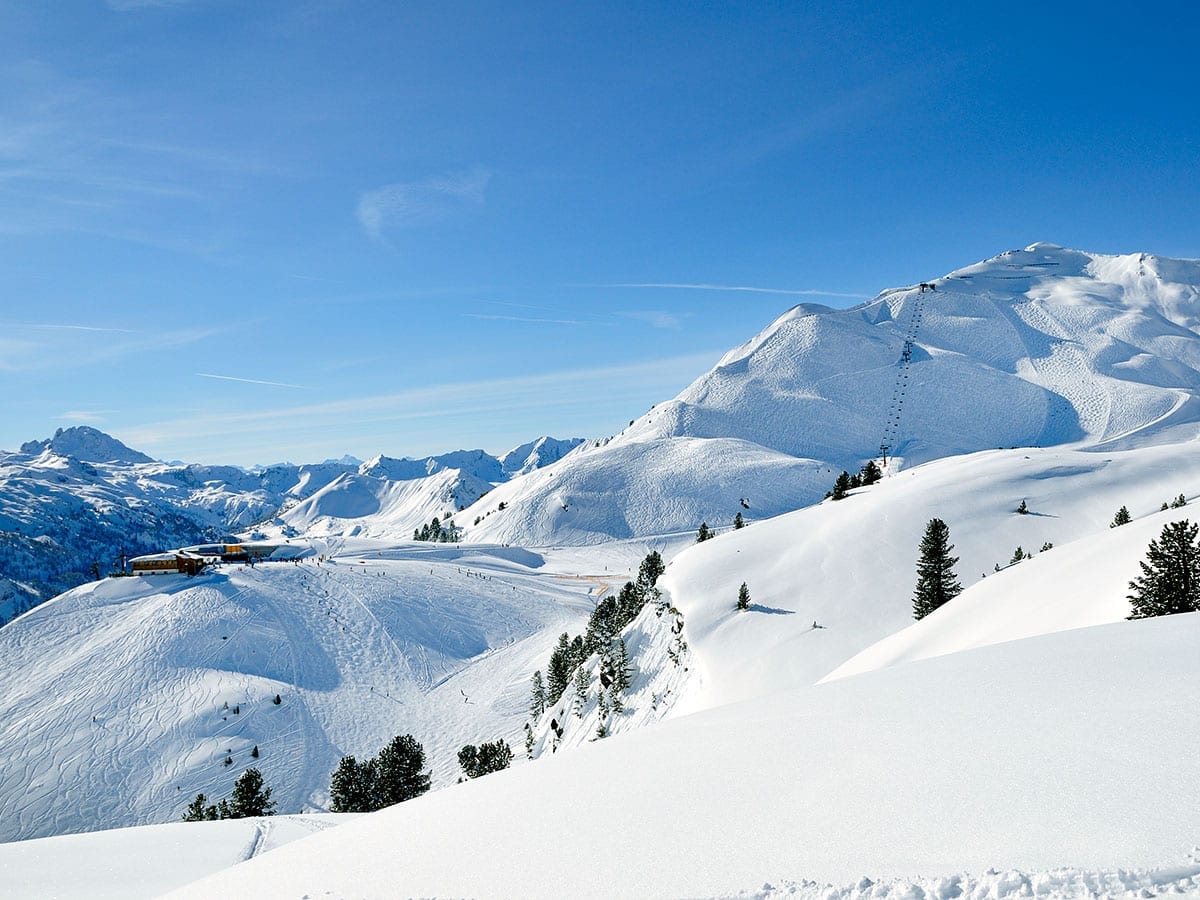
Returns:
<point x="1170" y="579"/>
<point x="537" y="698"/>
<point x="352" y="786"/>
<point x="399" y="771"/>
<point x="649" y="571"/>
<point x="1023" y="509"/>
<point x="620" y="664"/>
<point x="1121" y="518"/>
<point x="197" y="810"/>
<point x="936" y="582"/>
<point x="250" y="797"/>
<point x="743" y="600"/>
<point x="870" y="473"/>
<point x="703" y="534"/>
<point x="1179" y="502"/>
<point x="558" y="673"/>
<point x="841" y="486"/>
<point x="583" y="681"/>
<point x="1017" y="556"/>
<point x="528" y="740"/>
<point x="738" y="522"/>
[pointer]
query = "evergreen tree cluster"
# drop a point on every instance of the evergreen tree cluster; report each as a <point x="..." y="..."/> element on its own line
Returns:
<point x="936" y="582"/>
<point x="865" y="477"/>
<point x="486" y="758"/>
<point x="250" y="798"/>
<point x="1170" y="579"/>
<point x="396" y="774"/>
<point x="438" y="532"/>
<point x="704" y="534"/>
<point x="1121" y="518"/>
<point x="602" y="637"/>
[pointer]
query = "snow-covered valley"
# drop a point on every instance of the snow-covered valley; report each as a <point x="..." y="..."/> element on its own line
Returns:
<point x="1024" y="739"/>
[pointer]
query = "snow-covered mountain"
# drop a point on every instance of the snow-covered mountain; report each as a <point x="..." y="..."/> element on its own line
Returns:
<point x="1038" y="347"/>
<point x="995" y="747"/>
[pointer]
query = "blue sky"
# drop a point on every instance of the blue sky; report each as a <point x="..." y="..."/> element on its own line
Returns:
<point x="246" y="232"/>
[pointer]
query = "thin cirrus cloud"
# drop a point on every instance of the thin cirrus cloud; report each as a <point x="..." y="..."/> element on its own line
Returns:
<point x="355" y="416"/>
<point x="408" y="203"/>
<point x="281" y="384"/>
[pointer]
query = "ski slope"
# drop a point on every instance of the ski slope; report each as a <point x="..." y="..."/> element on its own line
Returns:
<point x="125" y="708"/>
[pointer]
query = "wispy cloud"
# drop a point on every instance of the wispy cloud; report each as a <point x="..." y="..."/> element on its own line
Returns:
<point x="414" y="202"/>
<point x="656" y="317"/>
<point x="281" y="384"/>
<point x="684" y="286"/>
<point x="41" y="347"/>
<point x="83" y="415"/>
<point x="61" y="327"/>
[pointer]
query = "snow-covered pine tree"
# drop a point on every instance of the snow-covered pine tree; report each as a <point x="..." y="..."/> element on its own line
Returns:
<point x="738" y="522"/>
<point x="583" y="682"/>
<point x="1121" y="518"/>
<point x="1170" y="579"/>
<point x="558" y="673"/>
<point x="1022" y="509"/>
<point x="936" y="582"/>
<point x="703" y="534"/>
<point x="743" y="600"/>
<point x="537" y="698"/>
<point x="1179" y="502"/>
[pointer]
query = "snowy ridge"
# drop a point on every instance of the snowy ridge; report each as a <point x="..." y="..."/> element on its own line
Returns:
<point x="1040" y="347"/>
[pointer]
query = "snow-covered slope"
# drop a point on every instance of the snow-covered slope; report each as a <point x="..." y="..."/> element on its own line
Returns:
<point x="364" y="505"/>
<point x="1039" y="347"/>
<point x="1073" y="749"/>
<point x="133" y="691"/>
<point x="850" y="566"/>
<point x="132" y="863"/>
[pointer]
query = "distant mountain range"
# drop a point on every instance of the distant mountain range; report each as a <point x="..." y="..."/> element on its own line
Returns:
<point x="73" y="505"/>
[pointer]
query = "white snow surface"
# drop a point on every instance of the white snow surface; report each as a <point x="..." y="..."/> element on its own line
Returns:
<point x="1075" y="749"/>
<point x="132" y="863"/>
<point x="1039" y="347"/>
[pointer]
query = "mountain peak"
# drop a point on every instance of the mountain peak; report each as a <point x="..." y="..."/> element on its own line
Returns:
<point x="87" y="444"/>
